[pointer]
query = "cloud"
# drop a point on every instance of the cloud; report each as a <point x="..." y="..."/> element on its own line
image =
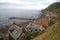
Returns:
<point x="30" y="0"/>
<point x="58" y="0"/>
<point x="28" y="4"/>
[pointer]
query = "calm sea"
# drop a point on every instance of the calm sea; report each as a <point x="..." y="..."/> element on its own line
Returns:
<point x="6" y="13"/>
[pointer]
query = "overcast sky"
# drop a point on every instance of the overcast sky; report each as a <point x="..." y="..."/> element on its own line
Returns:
<point x="27" y="4"/>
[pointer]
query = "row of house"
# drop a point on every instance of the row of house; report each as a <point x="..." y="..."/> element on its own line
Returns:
<point x="38" y="24"/>
<point x="42" y="23"/>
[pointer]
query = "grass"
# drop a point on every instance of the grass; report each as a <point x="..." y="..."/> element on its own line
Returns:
<point x="51" y="33"/>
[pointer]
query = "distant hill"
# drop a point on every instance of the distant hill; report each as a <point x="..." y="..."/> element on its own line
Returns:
<point x="53" y="7"/>
<point x="52" y="32"/>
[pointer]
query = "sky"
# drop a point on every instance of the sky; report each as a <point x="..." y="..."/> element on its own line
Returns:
<point x="26" y="4"/>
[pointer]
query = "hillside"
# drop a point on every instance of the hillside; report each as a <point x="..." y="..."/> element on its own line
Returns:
<point x="55" y="7"/>
<point x="53" y="31"/>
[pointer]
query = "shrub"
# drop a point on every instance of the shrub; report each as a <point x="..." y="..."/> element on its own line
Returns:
<point x="28" y="36"/>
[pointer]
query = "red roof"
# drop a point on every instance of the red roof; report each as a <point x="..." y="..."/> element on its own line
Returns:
<point x="36" y="22"/>
<point x="43" y="22"/>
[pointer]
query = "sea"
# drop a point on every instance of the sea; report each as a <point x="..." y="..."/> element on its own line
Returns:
<point x="25" y="13"/>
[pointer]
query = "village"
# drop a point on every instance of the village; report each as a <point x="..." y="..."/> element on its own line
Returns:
<point x="30" y="29"/>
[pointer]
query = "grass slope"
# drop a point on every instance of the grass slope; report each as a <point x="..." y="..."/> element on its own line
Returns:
<point x="51" y="33"/>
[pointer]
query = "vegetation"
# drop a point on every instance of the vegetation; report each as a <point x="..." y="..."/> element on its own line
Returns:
<point x="52" y="33"/>
<point x="30" y="35"/>
<point x="51" y="23"/>
<point x="53" y="6"/>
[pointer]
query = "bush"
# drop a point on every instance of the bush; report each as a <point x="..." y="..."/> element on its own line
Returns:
<point x="1" y="38"/>
<point x="35" y="33"/>
<point x="51" y="23"/>
<point x="28" y="36"/>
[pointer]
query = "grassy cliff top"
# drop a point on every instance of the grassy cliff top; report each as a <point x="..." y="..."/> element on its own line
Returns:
<point x="51" y="33"/>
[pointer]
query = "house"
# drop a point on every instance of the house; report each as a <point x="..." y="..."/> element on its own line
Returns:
<point x="14" y="31"/>
<point x="38" y="24"/>
<point x="43" y="22"/>
<point x="51" y="15"/>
